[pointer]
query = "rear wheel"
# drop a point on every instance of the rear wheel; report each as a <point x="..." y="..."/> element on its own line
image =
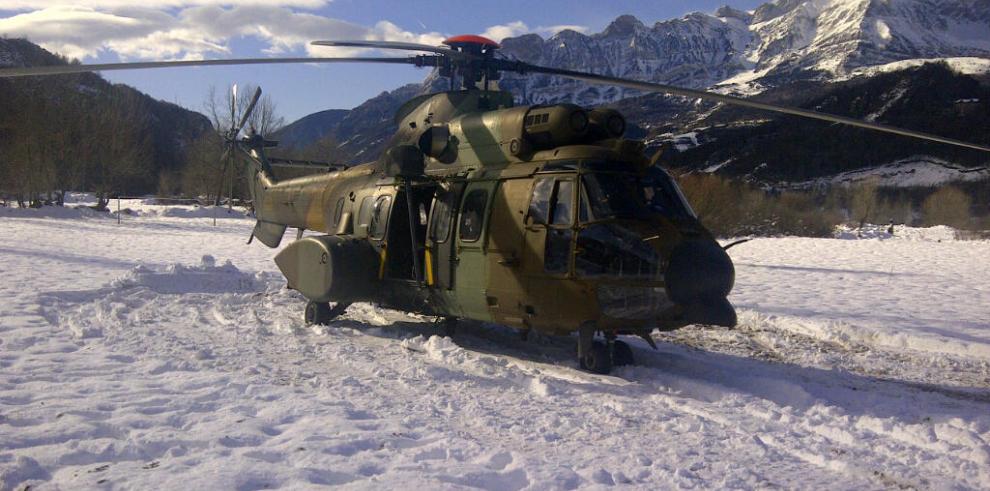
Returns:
<point x="597" y="359"/>
<point x="317" y="313"/>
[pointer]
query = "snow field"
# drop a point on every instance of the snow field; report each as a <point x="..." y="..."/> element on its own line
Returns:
<point x="130" y="360"/>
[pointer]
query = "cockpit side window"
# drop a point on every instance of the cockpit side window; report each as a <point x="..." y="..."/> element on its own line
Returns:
<point x="539" y="204"/>
<point x="557" y="255"/>
<point x="563" y="207"/>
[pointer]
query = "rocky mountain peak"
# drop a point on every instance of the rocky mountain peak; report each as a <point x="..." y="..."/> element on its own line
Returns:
<point x="727" y="12"/>
<point x="624" y="25"/>
<point x="781" y="41"/>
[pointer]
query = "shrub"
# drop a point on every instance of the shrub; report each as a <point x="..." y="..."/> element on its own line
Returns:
<point x="947" y="206"/>
<point x="731" y="209"/>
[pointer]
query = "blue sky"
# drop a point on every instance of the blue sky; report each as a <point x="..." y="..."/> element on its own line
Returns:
<point x="116" y="30"/>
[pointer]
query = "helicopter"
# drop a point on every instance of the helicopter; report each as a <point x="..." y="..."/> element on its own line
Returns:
<point x="542" y="218"/>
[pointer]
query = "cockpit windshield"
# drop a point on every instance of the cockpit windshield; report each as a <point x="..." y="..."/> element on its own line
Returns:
<point x="663" y="196"/>
<point x="611" y="195"/>
<point x="607" y="195"/>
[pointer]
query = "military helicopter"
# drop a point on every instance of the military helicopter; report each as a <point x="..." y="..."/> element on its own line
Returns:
<point x="541" y="218"/>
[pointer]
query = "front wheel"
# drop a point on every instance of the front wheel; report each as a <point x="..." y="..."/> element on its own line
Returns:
<point x="598" y="359"/>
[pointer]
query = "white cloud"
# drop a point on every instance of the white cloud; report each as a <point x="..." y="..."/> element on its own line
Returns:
<point x="205" y="28"/>
<point x="192" y="32"/>
<point x="518" y="28"/>
<point x="18" y="5"/>
<point x="553" y="30"/>
<point x="500" y="32"/>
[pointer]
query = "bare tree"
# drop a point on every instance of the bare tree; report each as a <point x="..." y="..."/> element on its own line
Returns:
<point x="220" y="107"/>
<point x="864" y="202"/>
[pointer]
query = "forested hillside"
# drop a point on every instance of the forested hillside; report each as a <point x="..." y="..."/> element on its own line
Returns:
<point x="80" y="132"/>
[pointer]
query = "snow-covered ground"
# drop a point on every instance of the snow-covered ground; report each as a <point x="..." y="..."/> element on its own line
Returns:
<point x="128" y="359"/>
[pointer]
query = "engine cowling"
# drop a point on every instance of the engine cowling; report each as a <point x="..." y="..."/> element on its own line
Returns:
<point x="330" y="268"/>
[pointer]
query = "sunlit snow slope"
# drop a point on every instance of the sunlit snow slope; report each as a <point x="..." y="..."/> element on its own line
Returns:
<point x="128" y="360"/>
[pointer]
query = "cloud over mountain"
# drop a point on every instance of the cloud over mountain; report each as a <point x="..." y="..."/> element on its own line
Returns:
<point x="194" y="29"/>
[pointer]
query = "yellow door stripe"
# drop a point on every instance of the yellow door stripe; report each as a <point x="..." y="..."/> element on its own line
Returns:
<point x="381" y="264"/>
<point x="429" y="267"/>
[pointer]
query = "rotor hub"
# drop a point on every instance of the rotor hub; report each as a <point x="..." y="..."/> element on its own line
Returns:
<point x="470" y="43"/>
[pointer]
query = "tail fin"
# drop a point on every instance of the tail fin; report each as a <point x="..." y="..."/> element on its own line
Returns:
<point x="259" y="178"/>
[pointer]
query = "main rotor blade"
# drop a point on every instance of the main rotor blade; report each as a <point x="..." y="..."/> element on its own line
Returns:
<point x="247" y="112"/>
<point x="233" y="106"/>
<point x="392" y="45"/>
<point x="65" y="69"/>
<point x="737" y="101"/>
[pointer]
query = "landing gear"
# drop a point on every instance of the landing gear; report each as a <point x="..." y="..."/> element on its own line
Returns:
<point x="597" y="359"/>
<point x="600" y="357"/>
<point x="321" y="313"/>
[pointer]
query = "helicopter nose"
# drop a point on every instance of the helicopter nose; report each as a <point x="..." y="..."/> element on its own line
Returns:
<point x="699" y="277"/>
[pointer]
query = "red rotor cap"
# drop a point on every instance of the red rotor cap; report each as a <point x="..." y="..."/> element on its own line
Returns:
<point x="471" y="39"/>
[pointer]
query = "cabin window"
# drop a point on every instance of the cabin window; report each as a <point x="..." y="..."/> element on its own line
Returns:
<point x="364" y="214"/>
<point x="440" y="230"/>
<point x="379" y="219"/>
<point x="473" y="215"/>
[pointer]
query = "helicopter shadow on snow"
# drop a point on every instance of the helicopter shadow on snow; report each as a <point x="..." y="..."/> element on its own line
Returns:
<point x="708" y="376"/>
<point x="67" y="257"/>
<point x="807" y="269"/>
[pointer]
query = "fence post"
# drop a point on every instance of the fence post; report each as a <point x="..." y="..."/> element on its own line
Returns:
<point x="118" y="209"/>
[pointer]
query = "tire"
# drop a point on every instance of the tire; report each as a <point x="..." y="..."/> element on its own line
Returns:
<point x="622" y="354"/>
<point x="597" y="360"/>
<point x="317" y="313"/>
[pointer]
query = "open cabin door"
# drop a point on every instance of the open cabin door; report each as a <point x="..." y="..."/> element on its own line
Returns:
<point x="407" y="231"/>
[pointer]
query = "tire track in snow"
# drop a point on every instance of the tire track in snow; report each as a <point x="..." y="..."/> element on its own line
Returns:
<point x="522" y="375"/>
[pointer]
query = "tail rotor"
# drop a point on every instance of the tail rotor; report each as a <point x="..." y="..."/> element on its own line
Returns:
<point x="230" y="139"/>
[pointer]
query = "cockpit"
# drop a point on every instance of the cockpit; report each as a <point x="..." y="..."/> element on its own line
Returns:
<point x="598" y="212"/>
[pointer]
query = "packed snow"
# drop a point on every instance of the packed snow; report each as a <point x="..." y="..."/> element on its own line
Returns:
<point x="164" y="352"/>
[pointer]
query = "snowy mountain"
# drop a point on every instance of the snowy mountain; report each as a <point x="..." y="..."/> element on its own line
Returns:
<point x="779" y="42"/>
<point x="797" y="52"/>
<point x="774" y="149"/>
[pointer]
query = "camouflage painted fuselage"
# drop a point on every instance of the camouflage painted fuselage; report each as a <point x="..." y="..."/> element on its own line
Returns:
<point x="520" y="216"/>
